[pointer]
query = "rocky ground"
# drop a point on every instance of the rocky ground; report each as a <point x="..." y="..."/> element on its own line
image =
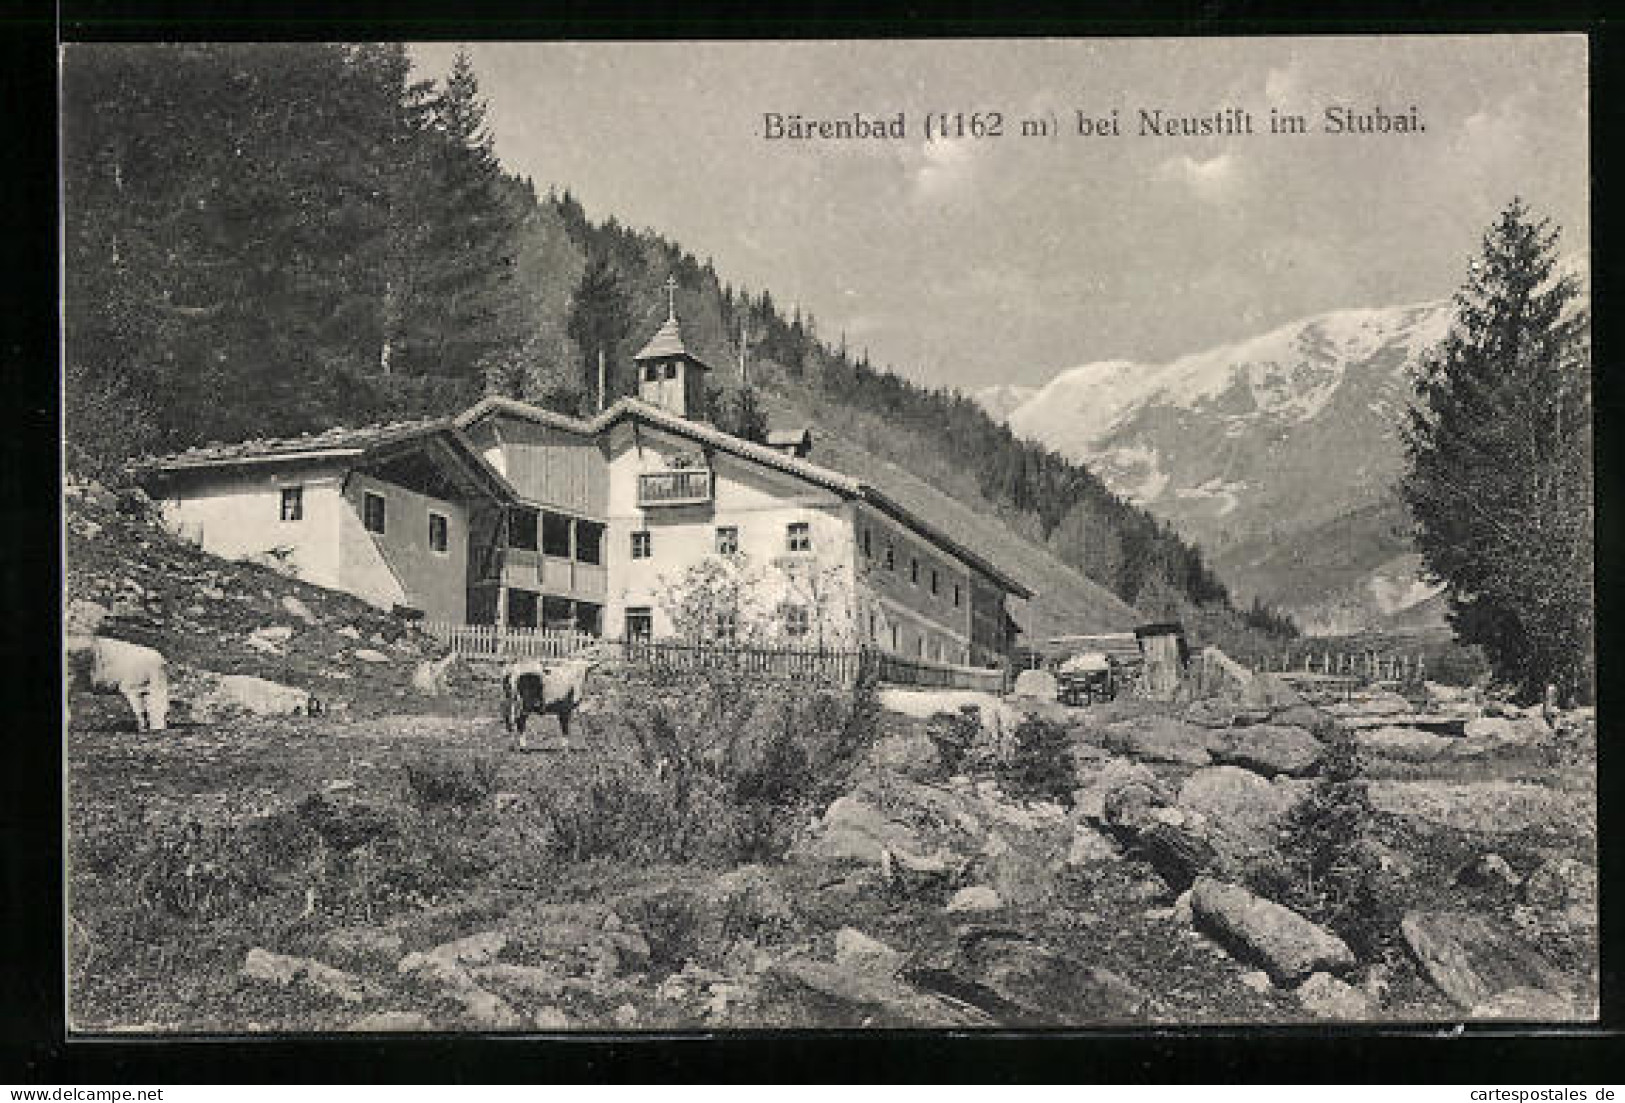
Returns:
<point x="918" y="892"/>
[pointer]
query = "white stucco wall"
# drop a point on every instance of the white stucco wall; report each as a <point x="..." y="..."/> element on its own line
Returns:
<point x="237" y="515"/>
<point x="759" y="502"/>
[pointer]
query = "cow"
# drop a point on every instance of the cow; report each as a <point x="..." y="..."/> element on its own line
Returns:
<point x="105" y="665"/>
<point x="556" y="686"/>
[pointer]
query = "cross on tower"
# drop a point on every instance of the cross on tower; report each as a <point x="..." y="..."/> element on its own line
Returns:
<point x="671" y="298"/>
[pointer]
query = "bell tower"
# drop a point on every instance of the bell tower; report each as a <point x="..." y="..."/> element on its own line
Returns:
<point x="669" y="376"/>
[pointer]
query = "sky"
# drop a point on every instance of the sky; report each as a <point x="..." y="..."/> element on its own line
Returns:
<point x="1007" y="259"/>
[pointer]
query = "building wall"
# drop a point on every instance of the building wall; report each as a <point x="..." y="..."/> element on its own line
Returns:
<point x="236" y="514"/>
<point x="904" y="616"/>
<point x="545" y="465"/>
<point x="759" y="502"/>
<point x="399" y="567"/>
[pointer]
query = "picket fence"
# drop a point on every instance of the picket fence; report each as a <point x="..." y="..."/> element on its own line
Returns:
<point x="765" y="662"/>
<point x="1368" y="666"/>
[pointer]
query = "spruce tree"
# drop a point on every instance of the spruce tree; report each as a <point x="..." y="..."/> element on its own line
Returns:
<point x="1499" y="449"/>
<point x="600" y="319"/>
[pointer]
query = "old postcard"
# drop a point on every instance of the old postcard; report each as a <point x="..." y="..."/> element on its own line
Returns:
<point x="972" y="534"/>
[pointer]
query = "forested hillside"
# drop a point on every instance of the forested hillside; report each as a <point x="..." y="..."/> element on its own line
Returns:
<point x="273" y="239"/>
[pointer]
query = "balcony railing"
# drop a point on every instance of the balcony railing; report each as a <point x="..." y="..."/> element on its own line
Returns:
<point x="674" y="488"/>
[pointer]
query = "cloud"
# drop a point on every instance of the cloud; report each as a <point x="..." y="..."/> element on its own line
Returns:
<point x="1283" y="85"/>
<point x="1213" y="181"/>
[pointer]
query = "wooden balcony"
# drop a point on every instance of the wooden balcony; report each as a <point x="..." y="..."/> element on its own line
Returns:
<point x="675" y="488"/>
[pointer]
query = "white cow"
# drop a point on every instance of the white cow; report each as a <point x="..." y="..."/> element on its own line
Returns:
<point x="104" y="665"/>
<point x="543" y="686"/>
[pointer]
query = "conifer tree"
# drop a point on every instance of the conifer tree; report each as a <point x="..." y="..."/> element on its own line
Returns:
<point x="600" y="319"/>
<point x="1499" y="450"/>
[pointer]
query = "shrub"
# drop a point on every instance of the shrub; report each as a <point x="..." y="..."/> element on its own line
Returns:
<point x="1325" y="867"/>
<point x="451" y="783"/>
<point x="1041" y="766"/>
<point x="953" y="735"/>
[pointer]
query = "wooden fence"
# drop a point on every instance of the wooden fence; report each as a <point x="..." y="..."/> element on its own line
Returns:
<point x="829" y="666"/>
<point x="1369" y="666"/>
<point x="503" y="643"/>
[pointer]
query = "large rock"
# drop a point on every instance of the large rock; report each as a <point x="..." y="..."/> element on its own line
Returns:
<point x="286" y="971"/>
<point x="381" y="1022"/>
<point x="1240" y="809"/>
<point x="858" y="952"/>
<point x="854" y="829"/>
<point x="296" y="608"/>
<point x="1471" y="958"/>
<point x="1300" y="716"/>
<point x="1565" y="885"/>
<point x="1507" y="732"/>
<point x="1101" y="780"/>
<point x="975" y="898"/>
<point x="828" y="995"/>
<point x="1528" y="1005"/>
<point x="1492" y="807"/>
<point x="1037" y="986"/>
<point x="1021" y="866"/>
<point x="1161" y="739"/>
<point x="1403" y="744"/>
<point x="1273" y="749"/>
<point x="1289" y="946"/>
<point x="1326" y="997"/>
<point x="1089" y="846"/>
<point x="1266" y="691"/>
<point x="1038" y="684"/>
<point x="211" y="698"/>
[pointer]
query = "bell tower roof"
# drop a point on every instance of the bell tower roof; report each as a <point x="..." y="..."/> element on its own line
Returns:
<point x="668" y="339"/>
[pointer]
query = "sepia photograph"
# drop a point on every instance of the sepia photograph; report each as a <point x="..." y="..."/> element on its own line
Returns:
<point x="702" y="536"/>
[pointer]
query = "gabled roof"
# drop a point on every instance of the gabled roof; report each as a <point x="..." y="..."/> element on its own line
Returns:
<point x="668" y="341"/>
<point x="363" y="445"/>
<point x="844" y="485"/>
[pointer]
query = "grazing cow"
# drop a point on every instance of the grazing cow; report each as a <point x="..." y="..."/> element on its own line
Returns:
<point x="117" y="666"/>
<point x="546" y="686"/>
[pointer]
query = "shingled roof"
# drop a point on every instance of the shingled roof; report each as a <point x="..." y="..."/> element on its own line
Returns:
<point x="668" y="341"/>
<point x="363" y="443"/>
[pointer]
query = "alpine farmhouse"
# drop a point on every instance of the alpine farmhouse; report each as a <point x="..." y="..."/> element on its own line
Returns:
<point x="509" y="514"/>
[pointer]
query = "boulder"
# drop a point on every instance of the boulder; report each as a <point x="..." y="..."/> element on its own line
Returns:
<point x="854" y="829"/>
<point x="1489" y="871"/>
<point x="369" y="655"/>
<point x="1403" y="744"/>
<point x="1472" y="958"/>
<point x="440" y="969"/>
<point x="1507" y="732"/>
<point x="857" y="952"/>
<point x="350" y="632"/>
<point x="1527" y="1005"/>
<point x="1240" y="808"/>
<point x="211" y="697"/>
<point x="550" y="1018"/>
<point x="1161" y="739"/>
<point x="1037" y="684"/>
<point x="1210" y="712"/>
<point x="1300" y="716"/>
<point x="1035" y="985"/>
<point x="1101" y="780"/>
<point x="975" y="898"/>
<point x="1020" y="867"/>
<point x="1286" y="944"/>
<point x="1563" y="885"/>
<point x="1266" y="691"/>
<point x="296" y="608"/>
<point x="363" y="945"/>
<point x="1089" y="845"/>
<point x="1326" y="997"/>
<point x="474" y="949"/>
<point x="1273" y="749"/>
<point x="523" y="982"/>
<point x="286" y="971"/>
<point x="828" y="995"/>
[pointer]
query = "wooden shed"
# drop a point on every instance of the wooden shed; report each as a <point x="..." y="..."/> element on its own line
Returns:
<point x="1165" y="654"/>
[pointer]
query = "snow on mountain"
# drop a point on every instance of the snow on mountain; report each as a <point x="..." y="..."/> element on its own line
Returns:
<point x="1249" y="447"/>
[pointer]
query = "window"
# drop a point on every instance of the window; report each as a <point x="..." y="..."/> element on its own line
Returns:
<point x="642" y="546"/>
<point x="727" y="540"/>
<point x="891" y="558"/>
<point x="556" y="535"/>
<point x="439" y="541"/>
<point x="868" y="549"/>
<point x="800" y="533"/>
<point x="894" y="637"/>
<point x="874" y="628"/>
<point x="919" y="647"/>
<point x="956" y="595"/>
<point x="589" y="542"/>
<point x="372" y="511"/>
<point x="651" y="373"/>
<point x="523" y="608"/>
<point x="726" y="627"/>
<point x="933" y="582"/>
<point x="671" y="370"/>
<point x="522" y="529"/>
<point x="914" y="571"/>
<point x="293" y="503"/>
<point x="639" y="622"/>
<point x="795" y="619"/>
